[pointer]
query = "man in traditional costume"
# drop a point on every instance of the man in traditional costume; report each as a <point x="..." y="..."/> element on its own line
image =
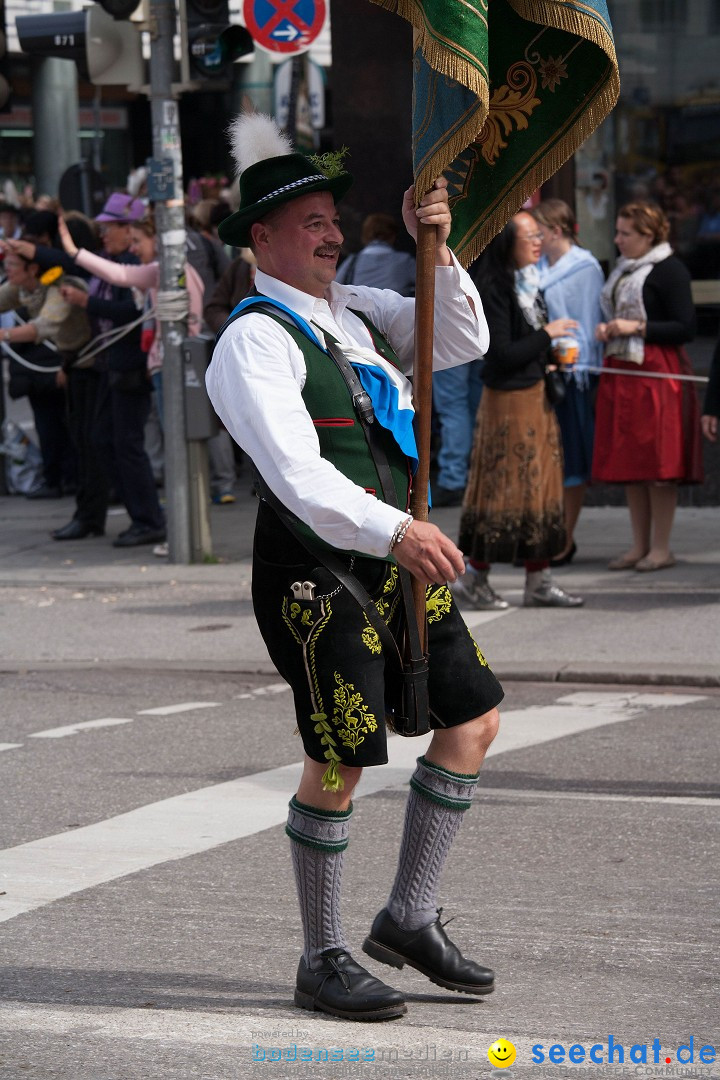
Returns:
<point x="279" y="381"/>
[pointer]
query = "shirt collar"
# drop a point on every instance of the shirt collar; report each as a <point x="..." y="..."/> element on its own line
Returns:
<point x="336" y="297"/>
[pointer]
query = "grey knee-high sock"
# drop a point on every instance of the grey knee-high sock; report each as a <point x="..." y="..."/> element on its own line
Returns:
<point x="435" y="808"/>
<point x="318" y="840"/>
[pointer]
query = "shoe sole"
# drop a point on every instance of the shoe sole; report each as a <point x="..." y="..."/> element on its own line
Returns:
<point x="395" y="959"/>
<point x="390" y="1012"/>
<point x="119" y="543"/>
<point x="92" y="532"/>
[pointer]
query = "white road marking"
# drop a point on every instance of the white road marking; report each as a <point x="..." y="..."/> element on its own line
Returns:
<point x="264" y="1029"/>
<point x="53" y="867"/>
<point x="599" y="796"/>
<point x="668" y="700"/>
<point x="185" y="706"/>
<point x="162" y="710"/>
<point x="10" y="746"/>
<point x="272" y="688"/>
<point x="73" y="729"/>
<point x="479" y="618"/>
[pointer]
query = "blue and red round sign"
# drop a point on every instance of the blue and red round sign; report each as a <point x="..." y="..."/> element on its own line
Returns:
<point x="284" y="26"/>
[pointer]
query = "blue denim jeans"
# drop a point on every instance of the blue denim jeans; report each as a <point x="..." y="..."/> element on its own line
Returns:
<point x="456" y="396"/>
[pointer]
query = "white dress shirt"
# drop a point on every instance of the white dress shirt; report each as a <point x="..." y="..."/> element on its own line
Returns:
<point x="257" y="374"/>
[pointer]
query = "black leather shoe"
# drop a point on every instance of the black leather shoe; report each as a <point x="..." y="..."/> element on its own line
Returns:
<point x="77" y="530"/>
<point x="44" y="492"/>
<point x="136" y="535"/>
<point x="343" y="988"/>
<point x="430" y="951"/>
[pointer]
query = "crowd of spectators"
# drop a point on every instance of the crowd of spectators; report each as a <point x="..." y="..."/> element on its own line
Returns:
<point x="77" y="304"/>
<point x="78" y="298"/>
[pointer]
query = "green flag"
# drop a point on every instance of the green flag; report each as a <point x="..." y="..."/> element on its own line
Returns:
<point x="504" y="91"/>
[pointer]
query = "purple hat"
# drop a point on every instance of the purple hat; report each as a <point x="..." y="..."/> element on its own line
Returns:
<point x="122" y="209"/>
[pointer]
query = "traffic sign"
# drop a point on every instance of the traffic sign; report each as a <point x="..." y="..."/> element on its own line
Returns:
<point x="284" y="26"/>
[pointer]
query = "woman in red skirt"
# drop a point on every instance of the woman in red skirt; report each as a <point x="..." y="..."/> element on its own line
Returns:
<point x="647" y="432"/>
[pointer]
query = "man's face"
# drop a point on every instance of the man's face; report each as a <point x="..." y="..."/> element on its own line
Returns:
<point x="300" y="242"/>
<point x="115" y="237"/>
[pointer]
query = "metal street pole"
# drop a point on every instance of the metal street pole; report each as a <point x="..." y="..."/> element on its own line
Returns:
<point x="172" y="298"/>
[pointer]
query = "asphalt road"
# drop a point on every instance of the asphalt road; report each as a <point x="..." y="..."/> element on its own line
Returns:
<point x="150" y="928"/>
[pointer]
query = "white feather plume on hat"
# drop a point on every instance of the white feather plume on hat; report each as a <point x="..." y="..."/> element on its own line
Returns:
<point x="255" y="137"/>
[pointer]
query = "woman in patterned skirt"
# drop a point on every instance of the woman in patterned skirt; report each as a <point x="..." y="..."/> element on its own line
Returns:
<point x="513" y="505"/>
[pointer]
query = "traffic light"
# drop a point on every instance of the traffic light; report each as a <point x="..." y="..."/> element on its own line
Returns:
<point x="210" y="42"/>
<point x="120" y="9"/>
<point x="106" y="52"/>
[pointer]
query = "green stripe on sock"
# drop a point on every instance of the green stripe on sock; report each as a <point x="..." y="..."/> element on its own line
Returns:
<point x="316" y="845"/>
<point x="440" y="800"/>
<point x="320" y="814"/>
<point x="441" y="771"/>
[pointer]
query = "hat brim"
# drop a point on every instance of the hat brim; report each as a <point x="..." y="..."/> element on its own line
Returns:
<point x="235" y="229"/>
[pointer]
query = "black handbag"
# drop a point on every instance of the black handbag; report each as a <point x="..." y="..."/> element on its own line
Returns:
<point x="555" y="386"/>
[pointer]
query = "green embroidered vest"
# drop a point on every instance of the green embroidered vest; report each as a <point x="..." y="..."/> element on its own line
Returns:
<point x="342" y="439"/>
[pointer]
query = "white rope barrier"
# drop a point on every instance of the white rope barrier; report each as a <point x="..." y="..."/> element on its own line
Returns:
<point x="640" y="373"/>
<point x="173" y="305"/>
<point x="10" y="352"/>
<point x="109" y="337"/>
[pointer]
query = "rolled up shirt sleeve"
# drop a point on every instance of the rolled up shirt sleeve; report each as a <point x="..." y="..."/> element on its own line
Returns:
<point x="255" y="383"/>
<point x="461" y="334"/>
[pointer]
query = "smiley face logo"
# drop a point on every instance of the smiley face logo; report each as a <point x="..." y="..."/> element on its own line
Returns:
<point x="501" y="1054"/>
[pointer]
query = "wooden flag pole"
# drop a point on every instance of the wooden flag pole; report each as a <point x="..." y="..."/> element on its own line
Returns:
<point x="422" y="389"/>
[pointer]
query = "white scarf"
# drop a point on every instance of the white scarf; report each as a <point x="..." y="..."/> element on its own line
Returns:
<point x="621" y="298"/>
<point x="529" y="297"/>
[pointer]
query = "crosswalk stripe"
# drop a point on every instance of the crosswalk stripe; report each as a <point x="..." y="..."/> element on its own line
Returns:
<point x="185" y="706"/>
<point x="50" y="868"/>
<point x="84" y="725"/>
<point x="387" y="1044"/>
<point x="596" y="796"/>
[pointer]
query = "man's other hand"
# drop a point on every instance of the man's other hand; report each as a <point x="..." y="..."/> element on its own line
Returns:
<point x="429" y="554"/>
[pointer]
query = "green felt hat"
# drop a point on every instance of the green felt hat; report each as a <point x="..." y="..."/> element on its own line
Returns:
<point x="272" y="182"/>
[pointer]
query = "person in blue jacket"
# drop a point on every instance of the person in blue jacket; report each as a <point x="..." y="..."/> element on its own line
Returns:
<point x="571" y="280"/>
